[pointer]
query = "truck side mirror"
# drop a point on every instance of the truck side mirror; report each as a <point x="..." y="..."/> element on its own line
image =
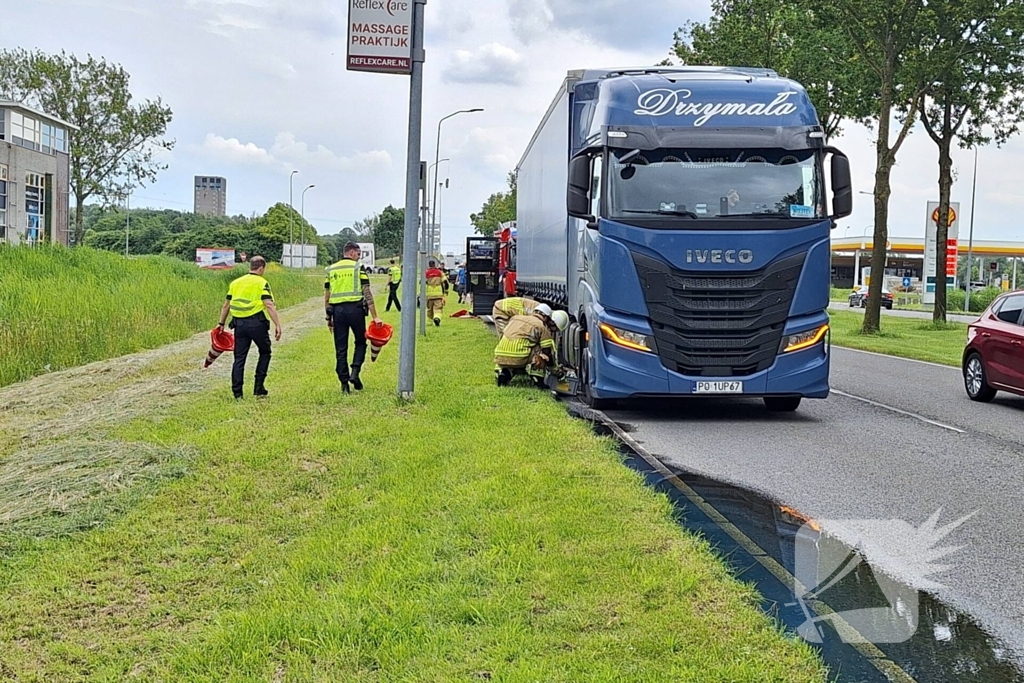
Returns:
<point x="842" y="185"/>
<point x="578" y="197"/>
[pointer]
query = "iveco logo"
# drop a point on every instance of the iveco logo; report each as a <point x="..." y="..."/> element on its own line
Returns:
<point x="719" y="256"/>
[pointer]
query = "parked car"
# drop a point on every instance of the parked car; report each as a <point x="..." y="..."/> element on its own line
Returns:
<point x="994" y="357"/>
<point x="859" y="297"/>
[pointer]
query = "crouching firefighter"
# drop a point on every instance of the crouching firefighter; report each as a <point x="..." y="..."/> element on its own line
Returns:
<point x="527" y="346"/>
<point x="347" y="296"/>
<point x="504" y="309"/>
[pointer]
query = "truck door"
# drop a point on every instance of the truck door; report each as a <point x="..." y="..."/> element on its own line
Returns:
<point x="482" y="254"/>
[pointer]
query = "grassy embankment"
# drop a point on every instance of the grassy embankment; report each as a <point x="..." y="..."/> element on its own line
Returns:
<point x="479" y="534"/>
<point x="904" y="337"/>
<point x="60" y="308"/>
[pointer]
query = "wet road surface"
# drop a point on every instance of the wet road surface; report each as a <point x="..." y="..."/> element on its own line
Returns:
<point x="898" y="441"/>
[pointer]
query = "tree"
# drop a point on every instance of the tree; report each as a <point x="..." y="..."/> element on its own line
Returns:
<point x="389" y="232"/>
<point x="893" y="39"/>
<point x="499" y="208"/>
<point x="115" y="146"/>
<point x="975" y="95"/>
<point x="789" y="38"/>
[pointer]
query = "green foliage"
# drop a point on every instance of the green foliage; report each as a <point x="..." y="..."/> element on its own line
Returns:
<point x="179" y="234"/>
<point x="61" y="307"/>
<point x="389" y="231"/>
<point x="789" y="38"/>
<point x="499" y="208"/>
<point x="117" y="141"/>
<point x="903" y="337"/>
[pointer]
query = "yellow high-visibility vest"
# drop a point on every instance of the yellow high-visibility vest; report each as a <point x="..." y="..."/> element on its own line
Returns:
<point x="522" y="336"/>
<point x="396" y="274"/>
<point x="435" y="288"/>
<point x="343" y="277"/>
<point x="247" y="294"/>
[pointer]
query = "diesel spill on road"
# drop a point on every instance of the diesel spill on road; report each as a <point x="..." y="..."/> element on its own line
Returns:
<point x="868" y="627"/>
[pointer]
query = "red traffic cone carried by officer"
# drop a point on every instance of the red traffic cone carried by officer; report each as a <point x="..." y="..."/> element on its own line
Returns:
<point x="221" y="341"/>
<point x="378" y="335"/>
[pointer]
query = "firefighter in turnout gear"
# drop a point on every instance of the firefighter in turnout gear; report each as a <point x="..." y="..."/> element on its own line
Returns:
<point x="505" y="309"/>
<point x="527" y="346"/>
<point x="347" y="296"/>
<point x="394" y="280"/>
<point x="435" y="292"/>
<point x="249" y="302"/>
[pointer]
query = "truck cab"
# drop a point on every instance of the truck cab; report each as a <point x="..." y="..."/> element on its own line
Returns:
<point x="690" y="239"/>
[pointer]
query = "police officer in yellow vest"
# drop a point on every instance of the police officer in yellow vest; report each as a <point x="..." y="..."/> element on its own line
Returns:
<point x="248" y="302"/>
<point x="394" y="280"/>
<point x="347" y="295"/>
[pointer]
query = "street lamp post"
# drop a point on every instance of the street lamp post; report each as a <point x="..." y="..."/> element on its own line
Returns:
<point x="430" y="226"/>
<point x="291" y="217"/>
<point x="302" y="227"/>
<point x="437" y="156"/>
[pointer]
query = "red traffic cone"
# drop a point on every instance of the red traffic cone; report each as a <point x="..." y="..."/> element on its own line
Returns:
<point x="220" y="341"/>
<point x="378" y="336"/>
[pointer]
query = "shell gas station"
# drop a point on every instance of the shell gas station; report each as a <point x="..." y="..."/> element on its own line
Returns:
<point x="905" y="258"/>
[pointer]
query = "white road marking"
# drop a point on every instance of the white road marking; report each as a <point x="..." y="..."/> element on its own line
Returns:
<point x="898" y="411"/>
<point x="885" y="355"/>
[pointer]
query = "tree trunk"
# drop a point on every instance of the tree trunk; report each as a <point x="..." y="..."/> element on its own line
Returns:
<point x="883" y="171"/>
<point x="942" y="233"/>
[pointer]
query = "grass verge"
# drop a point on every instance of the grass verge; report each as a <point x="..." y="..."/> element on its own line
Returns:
<point x="478" y="534"/>
<point x="903" y="337"/>
<point x="61" y="308"/>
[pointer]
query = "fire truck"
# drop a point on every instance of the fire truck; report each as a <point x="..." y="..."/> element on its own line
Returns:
<point x="506" y="235"/>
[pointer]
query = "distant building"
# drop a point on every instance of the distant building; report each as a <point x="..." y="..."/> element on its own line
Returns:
<point x="35" y="170"/>
<point x="211" y="196"/>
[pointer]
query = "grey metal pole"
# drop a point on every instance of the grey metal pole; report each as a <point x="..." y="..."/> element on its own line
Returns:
<point x="302" y="254"/>
<point x="291" y="217"/>
<point x="407" y="345"/>
<point x="128" y="218"/>
<point x="970" y="239"/>
<point x="1013" y="286"/>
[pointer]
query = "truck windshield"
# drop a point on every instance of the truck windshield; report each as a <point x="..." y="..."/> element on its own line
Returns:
<point x="715" y="184"/>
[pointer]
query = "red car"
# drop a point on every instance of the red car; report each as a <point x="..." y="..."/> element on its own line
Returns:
<point x="994" y="357"/>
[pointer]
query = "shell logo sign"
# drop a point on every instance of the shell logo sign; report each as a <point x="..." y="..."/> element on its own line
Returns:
<point x="952" y="216"/>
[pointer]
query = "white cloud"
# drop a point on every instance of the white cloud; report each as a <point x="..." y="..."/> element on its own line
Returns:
<point x="233" y="152"/>
<point x="495" y="148"/>
<point x="288" y="152"/>
<point x="492" y="64"/>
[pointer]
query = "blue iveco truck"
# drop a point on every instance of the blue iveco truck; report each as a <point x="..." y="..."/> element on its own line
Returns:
<point x="679" y="215"/>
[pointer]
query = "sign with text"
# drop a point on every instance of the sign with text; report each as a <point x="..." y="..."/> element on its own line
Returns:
<point x="380" y="36"/>
<point x="931" y="249"/>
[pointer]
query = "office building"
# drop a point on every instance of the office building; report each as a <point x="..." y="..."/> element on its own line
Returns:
<point x="211" y="196"/>
<point x="35" y="171"/>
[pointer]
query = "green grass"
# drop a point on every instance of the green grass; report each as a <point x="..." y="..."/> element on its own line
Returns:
<point x="478" y="534"/>
<point x="904" y="337"/>
<point x="60" y="308"/>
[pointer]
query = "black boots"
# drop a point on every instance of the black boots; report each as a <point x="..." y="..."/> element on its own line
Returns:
<point x="345" y="389"/>
<point x="504" y="377"/>
<point x="357" y="383"/>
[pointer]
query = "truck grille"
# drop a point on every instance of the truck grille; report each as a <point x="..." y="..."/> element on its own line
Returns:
<point x="718" y="325"/>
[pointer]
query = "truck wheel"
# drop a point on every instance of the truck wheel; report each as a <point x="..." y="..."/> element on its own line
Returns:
<point x="782" y="404"/>
<point x="588" y="398"/>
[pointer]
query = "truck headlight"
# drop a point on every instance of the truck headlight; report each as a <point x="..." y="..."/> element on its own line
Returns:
<point x="631" y="340"/>
<point x="803" y="340"/>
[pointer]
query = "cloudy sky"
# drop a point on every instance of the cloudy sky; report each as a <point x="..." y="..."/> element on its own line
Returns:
<point x="259" y="88"/>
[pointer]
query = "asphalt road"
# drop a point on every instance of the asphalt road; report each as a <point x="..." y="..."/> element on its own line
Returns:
<point x="855" y="456"/>
<point x="898" y="313"/>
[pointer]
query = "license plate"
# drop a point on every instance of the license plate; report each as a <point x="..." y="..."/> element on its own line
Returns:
<point x="718" y="388"/>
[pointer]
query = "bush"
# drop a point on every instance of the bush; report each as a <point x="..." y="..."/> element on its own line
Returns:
<point x="61" y="307"/>
<point x="955" y="299"/>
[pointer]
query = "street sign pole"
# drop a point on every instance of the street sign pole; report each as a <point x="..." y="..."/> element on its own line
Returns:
<point x="407" y="348"/>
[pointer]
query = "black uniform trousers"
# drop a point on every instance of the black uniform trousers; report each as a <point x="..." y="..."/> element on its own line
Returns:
<point x="393" y="297"/>
<point x="349" y="317"/>
<point x="249" y="331"/>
